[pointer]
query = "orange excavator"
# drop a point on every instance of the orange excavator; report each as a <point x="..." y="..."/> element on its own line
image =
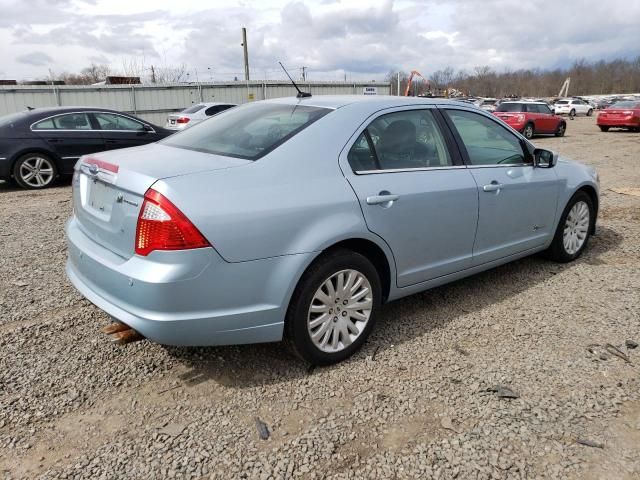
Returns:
<point x="413" y="74"/>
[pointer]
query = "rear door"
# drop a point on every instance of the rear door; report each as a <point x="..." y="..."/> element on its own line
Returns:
<point x="517" y="202"/>
<point x="120" y="131"/>
<point x="70" y="136"/>
<point x="414" y="192"/>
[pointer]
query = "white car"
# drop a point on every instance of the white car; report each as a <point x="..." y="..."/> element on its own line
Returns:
<point x="572" y="107"/>
<point x="195" y="114"/>
<point x="489" y="104"/>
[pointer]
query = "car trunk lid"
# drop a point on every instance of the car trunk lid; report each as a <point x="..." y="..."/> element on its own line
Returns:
<point x="109" y="188"/>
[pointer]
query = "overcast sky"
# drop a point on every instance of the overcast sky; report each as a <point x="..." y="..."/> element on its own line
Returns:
<point x="364" y="39"/>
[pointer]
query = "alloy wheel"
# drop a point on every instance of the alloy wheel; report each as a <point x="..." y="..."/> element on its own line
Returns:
<point x="339" y="310"/>
<point x="576" y="228"/>
<point x="37" y="172"/>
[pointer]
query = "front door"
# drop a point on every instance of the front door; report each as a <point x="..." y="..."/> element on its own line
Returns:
<point x="517" y="200"/>
<point x="414" y="193"/>
<point x="120" y="131"/>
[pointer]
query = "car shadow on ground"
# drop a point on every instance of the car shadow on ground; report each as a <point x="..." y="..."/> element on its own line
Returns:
<point x="249" y="366"/>
<point x="60" y="183"/>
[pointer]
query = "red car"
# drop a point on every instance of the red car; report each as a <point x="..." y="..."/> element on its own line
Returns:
<point x="625" y="114"/>
<point x="531" y="118"/>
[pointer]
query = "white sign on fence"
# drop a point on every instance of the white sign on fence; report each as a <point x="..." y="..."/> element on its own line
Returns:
<point x="370" y="91"/>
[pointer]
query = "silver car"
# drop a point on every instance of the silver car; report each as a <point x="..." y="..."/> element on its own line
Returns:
<point x="299" y="218"/>
<point x="195" y="114"/>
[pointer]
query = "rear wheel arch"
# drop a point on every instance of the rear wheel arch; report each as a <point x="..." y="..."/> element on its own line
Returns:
<point x="52" y="156"/>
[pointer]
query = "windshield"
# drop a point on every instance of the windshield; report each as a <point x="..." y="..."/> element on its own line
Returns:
<point x="11" y="118"/>
<point x="627" y="104"/>
<point x="510" y="107"/>
<point x="193" y="109"/>
<point x="248" y="132"/>
<point x="489" y="102"/>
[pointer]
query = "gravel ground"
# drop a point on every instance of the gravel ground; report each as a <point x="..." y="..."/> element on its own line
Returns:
<point x="416" y="402"/>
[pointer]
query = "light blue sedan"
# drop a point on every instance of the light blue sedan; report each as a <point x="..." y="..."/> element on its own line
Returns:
<point x="299" y="218"/>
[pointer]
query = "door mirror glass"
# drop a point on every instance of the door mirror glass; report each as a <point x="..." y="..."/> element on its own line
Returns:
<point x="544" y="158"/>
<point x="147" y="128"/>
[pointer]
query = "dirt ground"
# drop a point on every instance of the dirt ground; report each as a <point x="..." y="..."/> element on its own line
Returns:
<point x="416" y="402"/>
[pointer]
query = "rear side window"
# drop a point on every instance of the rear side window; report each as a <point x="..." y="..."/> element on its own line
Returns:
<point x="193" y="109"/>
<point x="216" y="109"/>
<point x="401" y="140"/>
<point x="510" y="107"/>
<point x="248" y="132"/>
<point x="71" y="121"/>
<point x="486" y="142"/>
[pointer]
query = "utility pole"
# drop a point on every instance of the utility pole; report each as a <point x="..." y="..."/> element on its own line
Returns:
<point x="153" y="75"/>
<point x="246" y="54"/>
<point x="304" y="74"/>
<point x="398" y="92"/>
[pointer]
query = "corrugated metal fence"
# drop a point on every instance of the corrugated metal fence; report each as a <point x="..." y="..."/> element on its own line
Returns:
<point x="153" y="102"/>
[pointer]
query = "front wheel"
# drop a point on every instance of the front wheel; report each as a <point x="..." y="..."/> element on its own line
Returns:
<point x="528" y="131"/>
<point x="572" y="114"/>
<point x="333" y="308"/>
<point x="34" y="171"/>
<point x="604" y="129"/>
<point x="574" y="228"/>
<point x="562" y="128"/>
<point x="590" y="112"/>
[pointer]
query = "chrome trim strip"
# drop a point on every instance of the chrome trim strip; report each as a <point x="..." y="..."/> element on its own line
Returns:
<point x="400" y="170"/>
<point x="88" y="129"/>
<point x="3" y="158"/>
<point x="502" y="165"/>
<point x="69" y="158"/>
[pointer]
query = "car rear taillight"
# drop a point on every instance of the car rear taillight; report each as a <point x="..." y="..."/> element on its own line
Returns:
<point x="183" y="120"/>
<point x="161" y="226"/>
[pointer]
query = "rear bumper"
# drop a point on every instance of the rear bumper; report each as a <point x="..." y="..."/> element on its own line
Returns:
<point x="619" y="122"/>
<point x="191" y="297"/>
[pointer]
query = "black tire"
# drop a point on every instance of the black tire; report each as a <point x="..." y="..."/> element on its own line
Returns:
<point x="560" y="131"/>
<point x="556" y="250"/>
<point x="46" y="174"/>
<point x="528" y="131"/>
<point x="604" y="129"/>
<point x="590" y="112"/>
<point x="572" y="113"/>
<point x="296" y="329"/>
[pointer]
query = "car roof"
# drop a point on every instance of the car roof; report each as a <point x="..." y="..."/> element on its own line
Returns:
<point x="529" y="102"/>
<point x="374" y="101"/>
<point x="212" y="104"/>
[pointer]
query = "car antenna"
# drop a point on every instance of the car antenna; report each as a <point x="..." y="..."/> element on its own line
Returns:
<point x="301" y="94"/>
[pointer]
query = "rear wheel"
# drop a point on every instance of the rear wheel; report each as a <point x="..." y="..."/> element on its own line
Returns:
<point x="333" y="308"/>
<point x="603" y="128"/>
<point x="562" y="128"/>
<point x="574" y="228"/>
<point x="34" y="171"/>
<point x="528" y="131"/>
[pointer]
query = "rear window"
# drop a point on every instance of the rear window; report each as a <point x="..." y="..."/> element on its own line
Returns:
<point x="247" y="132"/>
<point x="629" y="104"/>
<point x="193" y="109"/>
<point x="562" y="102"/>
<point x="11" y="118"/>
<point x="489" y="102"/>
<point x="510" y="107"/>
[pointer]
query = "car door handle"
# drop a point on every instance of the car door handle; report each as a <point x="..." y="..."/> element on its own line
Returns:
<point x="53" y="140"/>
<point x="382" y="198"/>
<point x="493" y="187"/>
<point x="110" y="141"/>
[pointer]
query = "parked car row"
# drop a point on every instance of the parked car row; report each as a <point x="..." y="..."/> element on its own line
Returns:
<point x="38" y="145"/>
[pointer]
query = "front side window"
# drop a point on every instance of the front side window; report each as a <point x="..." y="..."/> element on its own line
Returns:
<point x="400" y="140"/>
<point x="109" y="121"/>
<point x="487" y="142"/>
<point x="71" y="121"/>
<point x="544" y="109"/>
<point x="248" y="132"/>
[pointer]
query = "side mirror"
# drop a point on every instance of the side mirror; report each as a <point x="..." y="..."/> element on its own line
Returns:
<point x="553" y="111"/>
<point x="544" y="158"/>
<point x="147" y="128"/>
